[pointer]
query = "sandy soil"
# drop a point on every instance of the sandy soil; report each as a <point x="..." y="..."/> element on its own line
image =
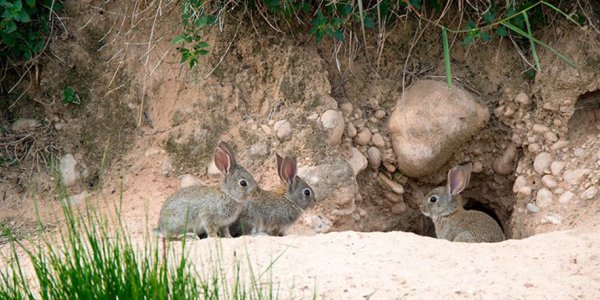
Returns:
<point x="397" y="265"/>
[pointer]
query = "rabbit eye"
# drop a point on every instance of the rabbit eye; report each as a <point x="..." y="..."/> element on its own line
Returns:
<point x="306" y="192"/>
<point x="433" y="199"/>
<point x="243" y="182"/>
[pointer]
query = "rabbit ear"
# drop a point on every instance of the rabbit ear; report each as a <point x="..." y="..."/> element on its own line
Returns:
<point x="223" y="160"/>
<point x="458" y="178"/>
<point x="288" y="169"/>
<point x="225" y="147"/>
<point x="279" y="163"/>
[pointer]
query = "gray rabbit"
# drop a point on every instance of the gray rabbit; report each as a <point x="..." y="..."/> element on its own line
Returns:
<point x="274" y="211"/>
<point x="206" y="209"/>
<point x="452" y="222"/>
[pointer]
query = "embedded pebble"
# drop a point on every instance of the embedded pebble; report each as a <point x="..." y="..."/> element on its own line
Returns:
<point x="556" y="167"/>
<point x="549" y="182"/>
<point x="543" y="198"/>
<point x="346" y="108"/>
<point x="539" y="128"/>
<point x="374" y="157"/>
<point x="559" y="144"/>
<point x="283" y="130"/>
<point x="553" y="218"/>
<point x="166" y="167"/>
<point x="505" y="163"/>
<point x="542" y="162"/>
<point x="520" y="181"/>
<point x="396" y="187"/>
<point x="68" y="169"/>
<point x="267" y="129"/>
<point x="350" y="130"/>
<point x="522" y="99"/>
<point x="380" y="114"/>
<point x="152" y="151"/>
<point x="574" y="177"/>
<point x="566" y="197"/>
<point x="525" y="191"/>
<point x="333" y="121"/>
<point x="590" y="193"/>
<point x="188" y="180"/>
<point x="579" y="152"/>
<point x="22" y="125"/>
<point x="550" y="137"/>
<point x="357" y="161"/>
<point x="533" y="148"/>
<point x="260" y="149"/>
<point x="312" y="117"/>
<point x="378" y="140"/>
<point x="532" y="208"/>
<point x="60" y="126"/>
<point x="363" y="137"/>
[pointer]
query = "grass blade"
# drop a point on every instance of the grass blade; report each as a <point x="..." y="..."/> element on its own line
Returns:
<point x="447" y="57"/>
<point x="530" y="36"/>
<point x="520" y="32"/>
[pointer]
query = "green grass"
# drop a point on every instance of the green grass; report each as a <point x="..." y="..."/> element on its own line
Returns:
<point x="93" y="259"/>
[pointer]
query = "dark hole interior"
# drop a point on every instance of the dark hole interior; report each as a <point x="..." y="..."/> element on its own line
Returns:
<point x="471" y="204"/>
<point x="586" y="117"/>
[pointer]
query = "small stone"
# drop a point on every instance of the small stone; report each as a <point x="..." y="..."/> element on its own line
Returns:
<point x="152" y="151"/>
<point x="505" y="163"/>
<point x="312" y="117"/>
<point x="380" y="114"/>
<point x="556" y="167"/>
<point x="579" y="152"/>
<point x="362" y="212"/>
<point x="271" y="122"/>
<point x="259" y="149"/>
<point x="553" y="218"/>
<point x="22" y="125"/>
<point x="346" y="108"/>
<point x="396" y="187"/>
<point x="477" y="167"/>
<point x="539" y="128"/>
<point x="543" y="198"/>
<point x="374" y="157"/>
<point x="559" y="144"/>
<point x="390" y="167"/>
<point x="533" y="148"/>
<point x="566" y="197"/>
<point x="188" y="180"/>
<point x="357" y="161"/>
<point x="550" y="137"/>
<point x="532" y="208"/>
<point x="320" y="224"/>
<point x="589" y="193"/>
<point x="283" y="130"/>
<point x="524" y="190"/>
<point x="350" y="130"/>
<point x="520" y="181"/>
<point x="363" y="137"/>
<point x="574" y="177"/>
<point x="68" y="169"/>
<point x="166" y="167"/>
<point x="378" y="140"/>
<point x="267" y="130"/>
<point x="549" y="182"/>
<point x="212" y="169"/>
<point x="60" y="126"/>
<point x="333" y="121"/>
<point x="542" y="162"/>
<point x="523" y="99"/>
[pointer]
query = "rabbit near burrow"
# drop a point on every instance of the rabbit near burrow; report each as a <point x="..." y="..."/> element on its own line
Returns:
<point x="207" y="209"/>
<point x="274" y="211"/>
<point x="452" y="222"/>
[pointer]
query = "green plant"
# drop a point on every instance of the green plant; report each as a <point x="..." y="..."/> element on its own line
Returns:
<point x="191" y="44"/>
<point x="25" y="26"/>
<point x="70" y="96"/>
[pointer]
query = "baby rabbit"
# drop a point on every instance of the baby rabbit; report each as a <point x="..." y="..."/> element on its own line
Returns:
<point x="273" y="212"/>
<point x="452" y="222"/>
<point x="206" y="209"/>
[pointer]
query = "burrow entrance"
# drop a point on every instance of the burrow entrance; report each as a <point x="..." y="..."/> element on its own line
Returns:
<point x="585" y="120"/>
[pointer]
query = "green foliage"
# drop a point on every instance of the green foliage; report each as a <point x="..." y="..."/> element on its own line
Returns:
<point x="24" y="27"/>
<point x="191" y="44"/>
<point x="70" y="96"/>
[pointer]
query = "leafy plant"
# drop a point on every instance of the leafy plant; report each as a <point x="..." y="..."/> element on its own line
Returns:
<point x="24" y="27"/>
<point x="192" y="46"/>
<point x="70" y="96"/>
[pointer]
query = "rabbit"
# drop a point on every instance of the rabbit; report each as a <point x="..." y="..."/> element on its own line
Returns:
<point x="206" y="209"/>
<point x="452" y="222"/>
<point x="274" y="211"/>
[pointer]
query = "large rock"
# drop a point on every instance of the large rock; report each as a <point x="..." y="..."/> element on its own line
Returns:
<point x="430" y="122"/>
<point x="327" y="179"/>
